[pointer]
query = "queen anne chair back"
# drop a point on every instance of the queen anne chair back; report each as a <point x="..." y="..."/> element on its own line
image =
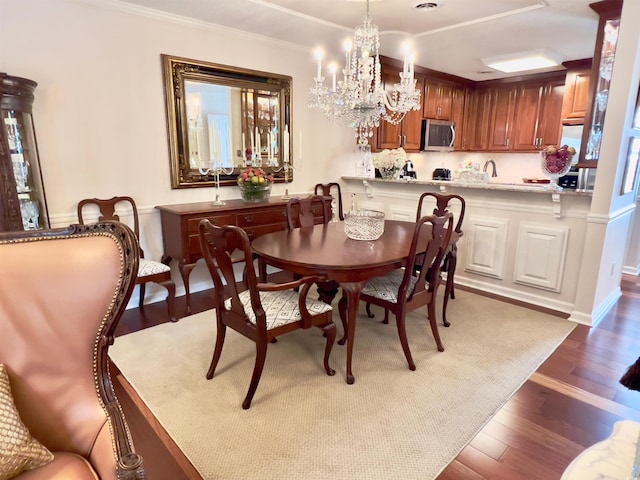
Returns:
<point x="149" y="270"/>
<point x="409" y="288"/>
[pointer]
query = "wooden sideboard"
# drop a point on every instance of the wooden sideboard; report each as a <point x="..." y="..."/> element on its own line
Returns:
<point x="180" y="227"/>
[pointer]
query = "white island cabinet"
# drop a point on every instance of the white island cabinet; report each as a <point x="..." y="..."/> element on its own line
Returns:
<point x="520" y="241"/>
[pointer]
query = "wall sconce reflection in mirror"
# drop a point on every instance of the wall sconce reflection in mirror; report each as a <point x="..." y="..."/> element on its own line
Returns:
<point x="221" y="119"/>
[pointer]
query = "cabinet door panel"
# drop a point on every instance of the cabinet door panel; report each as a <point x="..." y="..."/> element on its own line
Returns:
<point x="437" y="99"/>
<point x="389" y="136"/>
<point x="576" y="98"/>
<point x="528" y="107"/>
<point x="457" y="115"/>
<point x="550" y="124"/>
<point x="479" y="131"/>
<point x="502" y="110"/>
<point x="412" y="125"/>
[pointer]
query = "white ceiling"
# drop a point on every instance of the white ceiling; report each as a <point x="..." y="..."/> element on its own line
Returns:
<point x="452" y="39"/>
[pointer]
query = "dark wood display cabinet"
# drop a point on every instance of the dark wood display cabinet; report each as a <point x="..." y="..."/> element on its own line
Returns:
<point x="22" y="200"/>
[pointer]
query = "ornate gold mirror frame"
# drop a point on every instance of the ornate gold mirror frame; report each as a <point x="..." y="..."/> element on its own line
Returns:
<point x="221" y="119"/>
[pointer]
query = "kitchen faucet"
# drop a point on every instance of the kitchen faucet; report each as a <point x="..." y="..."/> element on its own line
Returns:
<point x="493" y="164"/>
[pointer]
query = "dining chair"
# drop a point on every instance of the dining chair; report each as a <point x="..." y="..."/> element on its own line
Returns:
<point x="259" y="311"/>
<point x="407" y="289"/>
<point x="302" y="212"/>
<point x="443" y="204"/>
<point x="325" y="189"/>
<point x="148" y="270"/>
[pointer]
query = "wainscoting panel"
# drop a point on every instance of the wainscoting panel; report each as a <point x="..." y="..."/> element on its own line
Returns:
<point x="540" y="256"/>
<point x="486" y="245"/>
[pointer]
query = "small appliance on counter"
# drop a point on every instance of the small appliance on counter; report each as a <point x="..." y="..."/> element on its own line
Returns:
<point x="570" y="180"/>
<point x="442" y="174"/>
<point x="408" y="171"/>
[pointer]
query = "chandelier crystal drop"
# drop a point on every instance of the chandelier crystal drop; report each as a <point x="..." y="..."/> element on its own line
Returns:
<point x="359" y="100"/>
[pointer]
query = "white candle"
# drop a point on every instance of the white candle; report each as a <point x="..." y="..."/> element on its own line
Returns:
<point x="319" y="55"/>
<point x="253" y="145"/>
<point x="213" y="143"/>
<point x="332" y="68"/>
<point x="412" y="60"/>
<point x="348" y="45"/>
<point x="285" y="143"/>
<point x="256" y="147"/>
<point x="244" y="147"/>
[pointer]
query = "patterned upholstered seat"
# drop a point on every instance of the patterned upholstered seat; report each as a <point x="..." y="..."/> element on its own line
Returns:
<point x="259" y="311"/>
<point x="386" y="288"/>
<point x="281" y="308"/>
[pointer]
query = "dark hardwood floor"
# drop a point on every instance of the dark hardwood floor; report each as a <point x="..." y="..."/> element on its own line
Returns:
<point x="568" y="404"/>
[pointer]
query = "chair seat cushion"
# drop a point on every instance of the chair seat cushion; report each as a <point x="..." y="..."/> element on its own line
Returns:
<point x="65" y="466"/>
<point x="150" y="267"/>
<point x="280" y="307"/>
<point x="386" y="287"/>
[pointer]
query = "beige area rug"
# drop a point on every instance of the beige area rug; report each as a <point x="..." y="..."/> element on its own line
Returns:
<point x="303" y="424"/>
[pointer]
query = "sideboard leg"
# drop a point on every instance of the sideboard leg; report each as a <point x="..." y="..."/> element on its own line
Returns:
<point x="185" y="271"/>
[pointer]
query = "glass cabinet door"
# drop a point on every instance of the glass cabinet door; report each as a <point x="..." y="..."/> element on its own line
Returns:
<point x="22" y="201"/>
<point x="609" y="12"/>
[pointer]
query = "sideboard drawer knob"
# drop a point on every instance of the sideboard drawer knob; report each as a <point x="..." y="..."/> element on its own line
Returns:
<point x="248" y="218"/>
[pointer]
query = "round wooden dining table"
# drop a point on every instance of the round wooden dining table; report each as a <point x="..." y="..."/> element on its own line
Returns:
<point x="326" y="250"/>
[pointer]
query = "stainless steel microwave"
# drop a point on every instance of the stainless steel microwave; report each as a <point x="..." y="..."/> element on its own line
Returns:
<point x="437" y="135"/>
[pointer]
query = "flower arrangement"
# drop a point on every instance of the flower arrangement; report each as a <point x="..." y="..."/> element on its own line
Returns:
<point x="389" y="162"/>
<point x="255" y="184"/>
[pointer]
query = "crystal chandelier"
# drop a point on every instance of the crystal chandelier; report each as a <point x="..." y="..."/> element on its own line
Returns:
<point x="359" y="100"/>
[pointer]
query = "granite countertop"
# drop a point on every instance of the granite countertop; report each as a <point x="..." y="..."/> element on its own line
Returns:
<point x="509" y="187"/>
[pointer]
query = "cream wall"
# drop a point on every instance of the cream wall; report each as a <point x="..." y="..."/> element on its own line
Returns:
<point x="99" y="109"/>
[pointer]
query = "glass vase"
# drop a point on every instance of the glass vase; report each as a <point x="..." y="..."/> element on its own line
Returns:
<point x="554" y="167"/>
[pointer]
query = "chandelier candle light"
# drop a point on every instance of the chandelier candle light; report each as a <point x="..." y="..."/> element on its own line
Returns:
<point x="359" y="100"/>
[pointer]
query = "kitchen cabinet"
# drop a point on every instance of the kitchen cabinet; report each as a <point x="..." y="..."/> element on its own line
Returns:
<point x="501" y="118"/>
<point x="576" y="95"/>
<point x="524" y="117"/>
<point x="475" y="127"/>
<point x="438" y="99"/>
<point x="538" y="116"/>
<point x="457" y="114"/>
<point x="405" y="134"/>
<point x="22" y="200"/>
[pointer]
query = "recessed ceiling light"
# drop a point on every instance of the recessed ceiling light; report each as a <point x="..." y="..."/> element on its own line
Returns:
<point x="427" y="5"/>
<point x="523" y="61"/>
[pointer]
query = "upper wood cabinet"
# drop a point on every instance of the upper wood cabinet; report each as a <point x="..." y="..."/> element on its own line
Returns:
<point x="576" y="96"/>
<point x="538" y="116"/>
<point x="525" y="116"/>
<point x="501" y="118"/>
<point x="438" y="99"/>
<point x="457" y="114"/>
<point x="406" y="134"/>
<point x="475" y="127"/>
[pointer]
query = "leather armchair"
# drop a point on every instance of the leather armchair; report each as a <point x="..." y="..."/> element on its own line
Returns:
<point x="62" y="293"/>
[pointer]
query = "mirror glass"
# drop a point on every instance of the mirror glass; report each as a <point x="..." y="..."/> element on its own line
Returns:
<point x="222" y="119"/>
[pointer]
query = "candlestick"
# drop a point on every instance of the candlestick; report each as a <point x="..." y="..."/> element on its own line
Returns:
<point x="244" y="147"/>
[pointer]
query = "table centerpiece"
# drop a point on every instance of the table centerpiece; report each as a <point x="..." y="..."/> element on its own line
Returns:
<point x="255" y="185"/>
